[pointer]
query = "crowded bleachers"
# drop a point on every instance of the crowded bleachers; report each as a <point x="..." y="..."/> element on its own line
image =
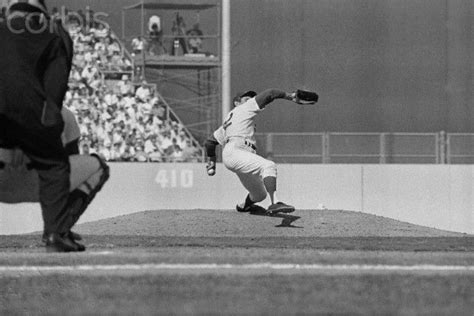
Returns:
<point x="123" y="120"/>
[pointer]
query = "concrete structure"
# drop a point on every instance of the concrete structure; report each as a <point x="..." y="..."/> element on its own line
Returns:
<point x="438" y="196"/>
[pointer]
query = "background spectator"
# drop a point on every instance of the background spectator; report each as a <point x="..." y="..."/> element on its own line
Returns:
<point x="138" y="45"/>
<point x="143" y="92"/>
<point x="155" y="35"/>
<point x="195" y="39"/>
<point x="125" y="87"/>
<point x="179" y="30"/>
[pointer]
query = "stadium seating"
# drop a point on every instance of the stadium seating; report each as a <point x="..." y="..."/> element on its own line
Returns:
<point x="120" y="118"/>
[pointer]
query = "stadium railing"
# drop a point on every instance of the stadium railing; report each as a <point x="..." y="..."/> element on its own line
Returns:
<point x="460" y="148"/>
<point x="376" y="148"/>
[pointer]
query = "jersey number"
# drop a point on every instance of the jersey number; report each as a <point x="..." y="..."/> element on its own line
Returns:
<point x="227" y="122"/>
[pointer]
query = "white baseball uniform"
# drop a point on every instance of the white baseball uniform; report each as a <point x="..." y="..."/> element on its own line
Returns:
<point x="237" y="136"/>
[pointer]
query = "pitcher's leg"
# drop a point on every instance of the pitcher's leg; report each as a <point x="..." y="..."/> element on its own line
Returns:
<point x="246" y="165"/>
<point x="254" y="185"/>
<point x="257" y="174"/>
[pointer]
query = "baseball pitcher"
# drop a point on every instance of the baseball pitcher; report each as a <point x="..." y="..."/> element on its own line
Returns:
<point x="237" y="134"/>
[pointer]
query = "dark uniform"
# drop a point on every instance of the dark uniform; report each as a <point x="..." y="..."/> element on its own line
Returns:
<point x="34" y="69"/>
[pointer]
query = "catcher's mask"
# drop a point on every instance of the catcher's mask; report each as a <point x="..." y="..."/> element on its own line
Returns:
<point x="27" y="6"/>
<point x="240" y="95"/>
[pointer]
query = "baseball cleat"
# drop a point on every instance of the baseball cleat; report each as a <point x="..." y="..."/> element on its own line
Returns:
<point x="280" y="207"/>
<point x="241" y="208"/>
<point x="258" y="210"/>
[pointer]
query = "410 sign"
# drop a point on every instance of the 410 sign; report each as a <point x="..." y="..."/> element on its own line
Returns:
<point x="172" y="178"/>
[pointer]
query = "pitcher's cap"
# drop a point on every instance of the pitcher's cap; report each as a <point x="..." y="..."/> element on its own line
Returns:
<point x="240" y="95"/>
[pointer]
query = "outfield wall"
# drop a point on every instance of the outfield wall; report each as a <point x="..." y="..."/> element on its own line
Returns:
<point x="439" y="196"/>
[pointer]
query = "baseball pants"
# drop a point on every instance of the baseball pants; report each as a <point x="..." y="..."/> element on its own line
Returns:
<point x="45" y="150"/>
<point x="249" y="167"/>
<point x="20" y="184"/>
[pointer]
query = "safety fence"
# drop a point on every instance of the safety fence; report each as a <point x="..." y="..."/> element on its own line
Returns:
<point x="378" y="148"/>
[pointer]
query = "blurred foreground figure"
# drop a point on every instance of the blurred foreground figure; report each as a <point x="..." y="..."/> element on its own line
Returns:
<point x="35" y="60"/>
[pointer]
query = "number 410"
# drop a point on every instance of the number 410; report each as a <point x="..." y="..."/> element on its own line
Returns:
<point x="171" y="179"/>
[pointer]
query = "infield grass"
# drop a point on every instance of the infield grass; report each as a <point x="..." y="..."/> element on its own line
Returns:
<point x="238" y="295"/>
<point x="326" y="238"/>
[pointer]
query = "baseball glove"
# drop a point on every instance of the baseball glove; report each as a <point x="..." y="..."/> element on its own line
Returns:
<point x="304" y="97"/>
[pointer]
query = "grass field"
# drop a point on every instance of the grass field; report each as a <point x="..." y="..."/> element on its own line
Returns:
<point x="208" y="262"/>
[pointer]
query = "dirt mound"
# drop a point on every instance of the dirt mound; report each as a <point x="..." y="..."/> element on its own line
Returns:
<point x="229" y="223"/>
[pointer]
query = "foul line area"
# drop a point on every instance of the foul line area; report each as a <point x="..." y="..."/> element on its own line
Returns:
<point x="255" y="268"/>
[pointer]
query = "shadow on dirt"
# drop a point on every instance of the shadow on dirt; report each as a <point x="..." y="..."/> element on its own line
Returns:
<point x="287" y="220"/>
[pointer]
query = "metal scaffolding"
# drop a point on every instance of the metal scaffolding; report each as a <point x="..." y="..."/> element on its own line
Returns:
<point x="190" y="82"/>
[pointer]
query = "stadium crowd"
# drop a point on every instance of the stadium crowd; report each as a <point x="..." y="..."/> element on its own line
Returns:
<point x="123" y="120"/>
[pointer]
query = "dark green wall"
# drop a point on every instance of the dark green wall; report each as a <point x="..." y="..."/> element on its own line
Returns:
<point x="379" y="65"/>
<point x="393" y="65"/>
